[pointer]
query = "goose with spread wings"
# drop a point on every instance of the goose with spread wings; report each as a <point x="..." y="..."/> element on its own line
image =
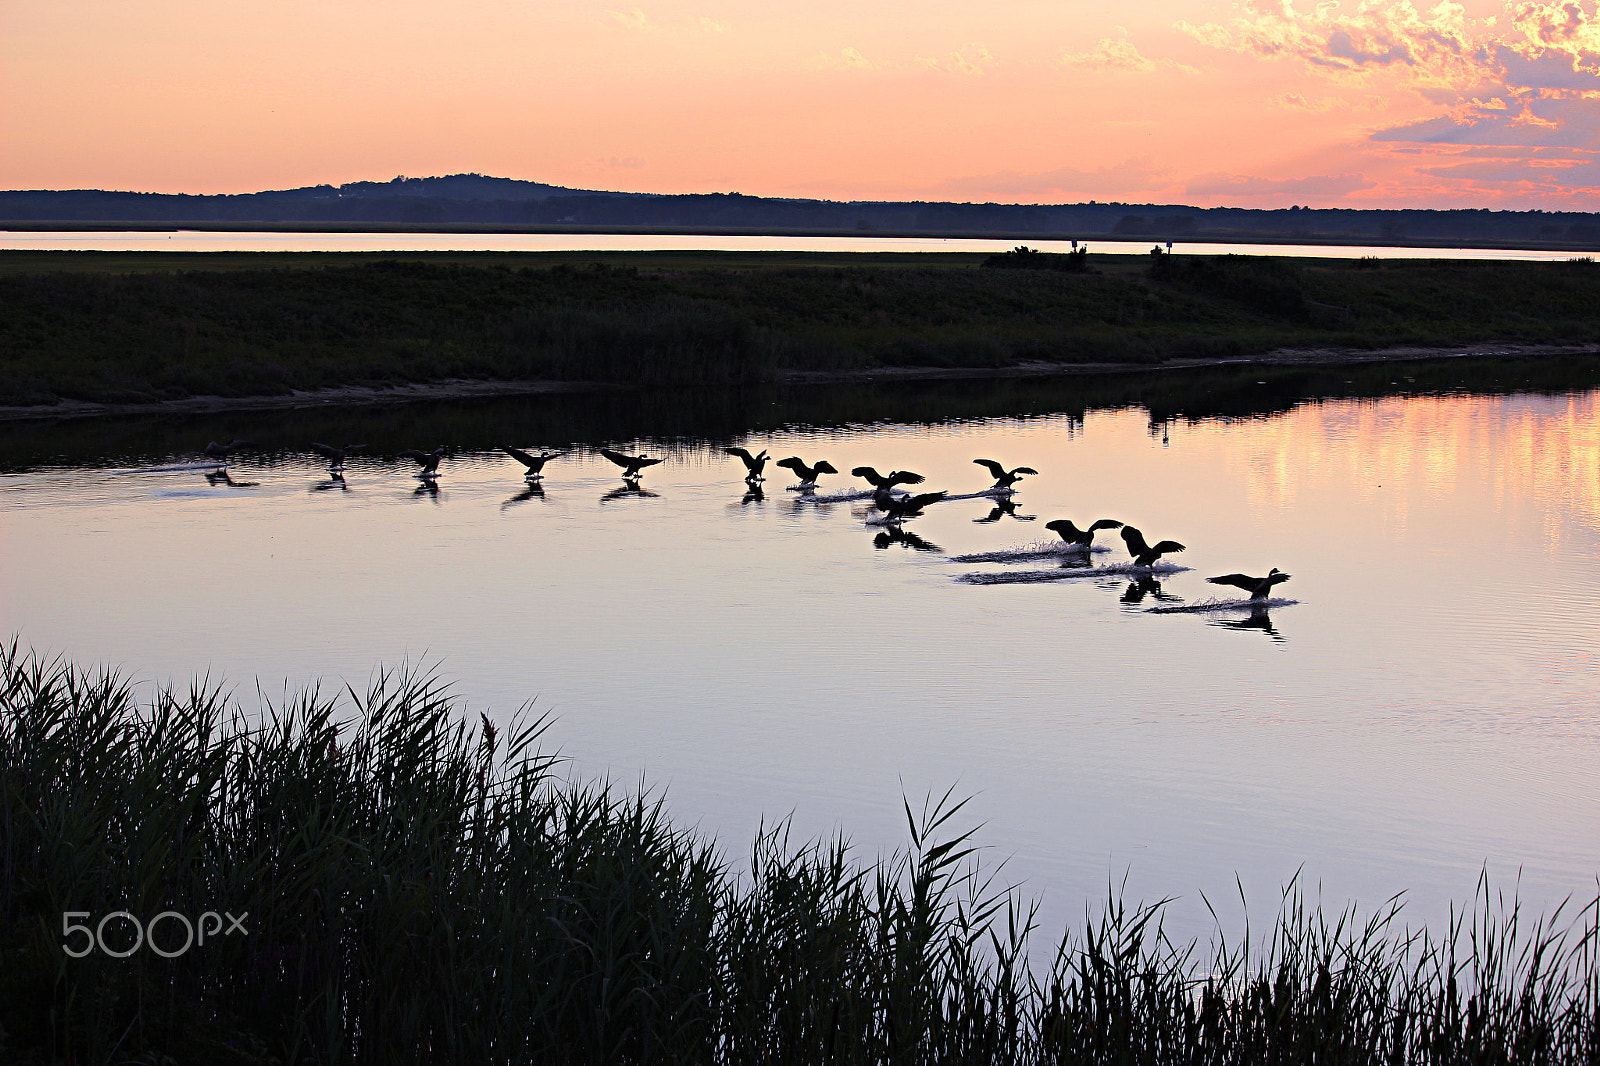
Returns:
<point x="220" y="452"/>
<point x="807" y="474"/>
<point x="1003" y="478"/>
<point x="889" y="480"/>
<point x="632" y="465"/>
<point x="899" y="508"/>
<point x="335" y="456"/>
<point x="533" y="465"/>
<point x="1259" y="588"/>
<point x="1146" y="554"/>
<point x="428" y="461"/>
<point x="1081" y="538"/>
<point x="754" y="464"/>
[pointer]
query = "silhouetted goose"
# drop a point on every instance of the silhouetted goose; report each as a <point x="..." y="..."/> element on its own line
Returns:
<point x="1146" y="554"/>
<point x="335" y="456"/>
<point x="1259" y="588"/>
<point x="220" y="452"/>
<point x="632" y="465"/>
<point x="753" y="463"/>
<point x="807" y="474"/>
<point x="1003" y="478"/>
<point x="896" y="508"/>
<point x="533" y="463"/>
<point x="429" y="461"/>
<point x="1081" y="538"/>
<point x="889" y="480"/>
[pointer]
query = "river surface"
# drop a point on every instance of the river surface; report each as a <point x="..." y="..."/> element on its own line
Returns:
<point x="219" y="241"/>
<point x="1428" y="708"/>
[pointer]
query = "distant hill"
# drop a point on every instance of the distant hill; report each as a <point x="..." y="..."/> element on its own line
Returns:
<point x="477" y="201"/>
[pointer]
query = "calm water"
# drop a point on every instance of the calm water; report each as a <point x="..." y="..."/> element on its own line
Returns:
<point x="210" y="241"/>
<point x="1430" y="706"/>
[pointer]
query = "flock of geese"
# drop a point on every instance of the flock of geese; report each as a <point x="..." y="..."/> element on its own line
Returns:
<point x="897" y="507"/>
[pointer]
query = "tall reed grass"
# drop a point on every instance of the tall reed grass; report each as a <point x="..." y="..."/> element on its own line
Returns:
<point x="423" y="888"/>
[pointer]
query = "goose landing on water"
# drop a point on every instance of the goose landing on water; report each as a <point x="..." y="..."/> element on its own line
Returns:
<point x="898" y="508"/>
<point x="220" y="452"/>
<point x="632" y="465"/>
<point x="335" y="456"/>
<point x="807" y="474"/>
<point x="1080" y="538"/>
<point x="1259" y="588"/>
<point x="428" y="461"/>
<point x="533" y="464"/>
<point x="1145" y="554"/>
<point x="1003" y="478"/>
<point x="889" y="480"/>
<point x="754" y="464"/>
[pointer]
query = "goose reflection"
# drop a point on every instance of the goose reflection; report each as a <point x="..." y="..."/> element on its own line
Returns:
<point x="628" y="488"/>
<point x="1004" y="507"/>
<point x="220" y="477"/>
<point x="1259" y="618"/>
<point x="753" y="493"/>
<point x="898" y="535"/>
<point x="534" y="491"/>
<point x="1147" y="586"/>
<point x="335" y="481"/>
<point x="428" y="487"/>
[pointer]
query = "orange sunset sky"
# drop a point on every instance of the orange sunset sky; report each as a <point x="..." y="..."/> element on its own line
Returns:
<point x="1374" y="103"/>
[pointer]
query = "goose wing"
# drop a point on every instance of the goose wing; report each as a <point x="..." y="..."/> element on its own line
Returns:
<point x="793" y="463"/>
<point x="642" y="462"/>
<point x="871" y="475"/>
<point x="993" y="467"/>
<point x="1238" y="581"/>
<point x="1165" y="546"/>
<point x="532" y="462"/>
<point x="1105" y="523"/>
<point x="905" y="477"/>
<point x="422" y="457"/>
<point x="327" y="452"/>
<point x="1026" y="470"/>
<point x="617" y="457"/>
<point x="1134" y="539"/>
<point x="749" y="460"/>
<point x="823" y="467"/>
<point x="917" y="503"/>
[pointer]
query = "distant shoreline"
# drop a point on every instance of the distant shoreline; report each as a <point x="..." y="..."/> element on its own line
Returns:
<point x="455" y="389"/>
<point x="1353" y="240"/>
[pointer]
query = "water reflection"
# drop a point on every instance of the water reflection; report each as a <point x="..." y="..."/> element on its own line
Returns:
<point x="335" y="481"/>
<point x="533" y="491"/>
<point x="626" y="489"/>
<point x="220" y="477"/>
<point x="1259" y="619"/>
<point x="906" y="539"/>
<point x="1004" y="507"/>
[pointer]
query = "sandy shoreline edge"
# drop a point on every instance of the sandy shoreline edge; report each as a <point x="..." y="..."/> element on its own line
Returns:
<point x="450" y="389"/>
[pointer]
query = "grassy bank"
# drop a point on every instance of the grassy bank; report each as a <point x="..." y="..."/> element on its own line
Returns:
<point x="110" y="327"/>
<point x="421" y="888"/>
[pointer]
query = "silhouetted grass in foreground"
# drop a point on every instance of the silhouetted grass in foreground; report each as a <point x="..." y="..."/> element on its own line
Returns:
<point x="421" y="889"/>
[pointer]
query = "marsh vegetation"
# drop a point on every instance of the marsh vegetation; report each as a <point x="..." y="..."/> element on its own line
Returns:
<point x="421" y="887"/>
<point x="112" y="328"/>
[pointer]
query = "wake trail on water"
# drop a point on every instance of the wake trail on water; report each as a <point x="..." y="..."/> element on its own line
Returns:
<point x="1031" y="577"/>
<point x="1022" y="553"/>
<point x="185" y="468"/>
<point x="1223" y="605"/>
